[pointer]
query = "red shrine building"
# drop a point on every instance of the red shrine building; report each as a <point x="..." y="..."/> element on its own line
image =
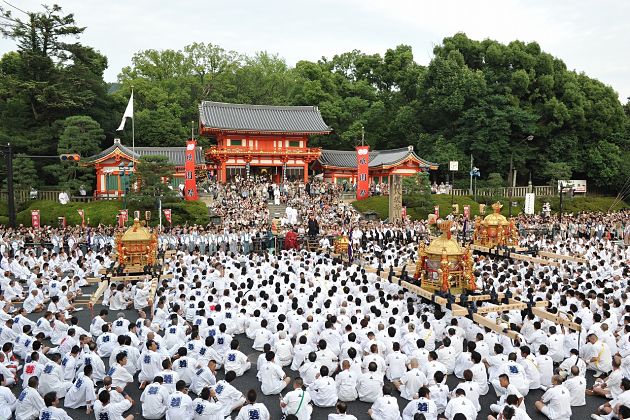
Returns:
<point x="260" y="139"/>
<point x="255" y="140"/>
<point x="340" y="166"/>
<point x="115" y="165"/>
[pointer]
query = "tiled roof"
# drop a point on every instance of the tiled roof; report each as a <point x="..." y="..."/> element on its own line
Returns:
<point x="175" y="155"/>
<point x="261" y="118"/>
<point x="348" y="159"/>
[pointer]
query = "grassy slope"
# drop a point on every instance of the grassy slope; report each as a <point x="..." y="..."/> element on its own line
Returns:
<point x="578" y="204"/>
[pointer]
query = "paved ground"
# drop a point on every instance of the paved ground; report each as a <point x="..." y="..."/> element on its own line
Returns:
<point x="359" y="409"/>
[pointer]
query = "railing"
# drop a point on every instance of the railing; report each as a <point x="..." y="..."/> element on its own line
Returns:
<point x="541" y="190"/>
<point x="46" y="195"/>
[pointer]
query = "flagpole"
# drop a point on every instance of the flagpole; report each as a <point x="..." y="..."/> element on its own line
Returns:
<point x="133" y="125"/>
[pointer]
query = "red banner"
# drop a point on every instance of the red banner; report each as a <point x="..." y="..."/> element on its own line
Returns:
<point x="190" y="183"/>
<point x="467" y="212"/>
<point x="82" y="215"/>
<point x="436" y="211"/>
<point x="35" y="220"/>
<point x="167" y="215"/>
<point x="122" y="217"/>
<point x="363" y="183"/>
<point x="403" y="213"/>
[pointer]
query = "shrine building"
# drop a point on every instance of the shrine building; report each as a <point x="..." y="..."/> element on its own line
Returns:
<point x="115" y="165"/>
<point x="254" y="140"/>
<point x="340" y="166"/>
<point x="260" y="139"/>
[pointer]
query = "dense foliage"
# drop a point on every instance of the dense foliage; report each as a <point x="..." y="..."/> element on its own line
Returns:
<point x="475" y="97"/>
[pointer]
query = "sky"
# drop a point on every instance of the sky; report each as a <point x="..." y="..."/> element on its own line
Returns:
<point x="589" y="36"/>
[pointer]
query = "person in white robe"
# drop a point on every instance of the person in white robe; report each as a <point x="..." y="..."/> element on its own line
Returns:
<point x="29" y="401"/>
<point x="82" y="392"/>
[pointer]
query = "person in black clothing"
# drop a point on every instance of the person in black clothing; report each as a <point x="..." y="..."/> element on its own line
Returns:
<point x="313" y="227"/>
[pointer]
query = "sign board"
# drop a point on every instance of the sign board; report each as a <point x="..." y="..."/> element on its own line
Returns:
<point x="453" y="165"/>
<point x="577" y="185"/>
<point x="529" y="203"/>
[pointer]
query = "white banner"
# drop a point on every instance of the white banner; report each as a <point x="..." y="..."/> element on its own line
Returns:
<point x="529" y="203"/>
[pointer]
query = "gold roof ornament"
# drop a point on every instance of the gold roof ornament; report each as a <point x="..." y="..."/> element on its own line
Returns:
<point x="496" y="218"/>
<point x="136" y="233"/>
<point x="444" y="242"/>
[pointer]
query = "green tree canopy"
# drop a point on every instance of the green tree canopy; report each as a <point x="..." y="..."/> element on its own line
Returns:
<point x="151" y="171"/>
<point x="81" y="135"/>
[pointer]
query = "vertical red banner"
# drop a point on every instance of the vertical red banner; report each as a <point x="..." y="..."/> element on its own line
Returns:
<point x="190" y="183"/>
<point x="35" y="220"/>
<point x="122" y="217"/>
<point x="167" y="214"/>
<point x="467" y="212"/>
<point x="363" y="183"/>
<point x="436" y="211"/>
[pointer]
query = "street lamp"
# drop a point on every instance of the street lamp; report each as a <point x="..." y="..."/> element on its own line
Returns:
<point x="511" y="178"/>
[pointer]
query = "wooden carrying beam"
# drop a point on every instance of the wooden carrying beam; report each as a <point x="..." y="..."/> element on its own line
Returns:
<point x="502" y="307"/>
<point x="424" y="293"/>
<point x="98" y="292"/>
<point x="490" y="324"/>
<point x="548" y="254"/>
<point x="516" y="256"/>
<point x="137" y="277"/>
<point x="455" y="308"/>
<point x="542" y="313"/>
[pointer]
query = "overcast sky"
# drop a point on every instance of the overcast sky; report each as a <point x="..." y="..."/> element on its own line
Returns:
<point x="590" y="36"/>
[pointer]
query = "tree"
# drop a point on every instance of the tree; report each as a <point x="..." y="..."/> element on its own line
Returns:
<point x="49" y="78"/>
<point x="556" y="171"/>
<point x="83" y="136"/>
<point x="24" y="173"/>
<point x="151" y="173"/>
<point x="418" y="196"/>
<point x="495" y="183"/>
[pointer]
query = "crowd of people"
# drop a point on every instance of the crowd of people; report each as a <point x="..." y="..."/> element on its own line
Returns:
<point x="324" y="331"/>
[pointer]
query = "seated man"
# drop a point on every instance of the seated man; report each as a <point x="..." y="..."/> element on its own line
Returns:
<point x="556" y="401"/>
<point x="52" y="410"/>
<point x="576" y="384"/>
<point x="386" y="406"/>
<point x="324" y="390"/>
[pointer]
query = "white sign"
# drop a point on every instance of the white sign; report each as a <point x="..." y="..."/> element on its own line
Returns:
<point x="453" y="165"/>
<point x="529" y="203"/>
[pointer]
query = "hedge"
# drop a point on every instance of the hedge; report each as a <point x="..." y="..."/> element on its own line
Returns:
<point x="105" y="211"/>
<point x="380" y="205"/>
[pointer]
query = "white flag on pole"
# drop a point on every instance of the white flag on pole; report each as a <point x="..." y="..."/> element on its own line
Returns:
<point x="128" y="113"/>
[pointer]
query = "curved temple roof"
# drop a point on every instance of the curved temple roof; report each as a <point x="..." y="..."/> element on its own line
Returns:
<point x="219" y="116"/>
<point x="348" y="158"/>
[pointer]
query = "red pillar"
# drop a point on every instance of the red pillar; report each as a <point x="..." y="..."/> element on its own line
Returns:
<point x="223" y="173"/>
<point x="305" y="172"/>
<point x="99" y="171"/>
